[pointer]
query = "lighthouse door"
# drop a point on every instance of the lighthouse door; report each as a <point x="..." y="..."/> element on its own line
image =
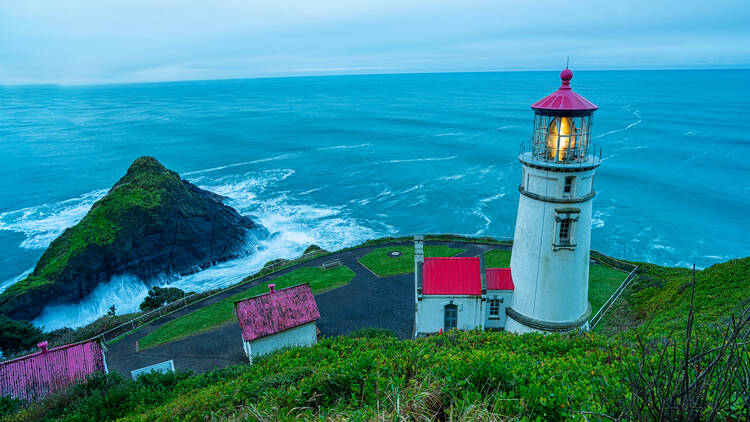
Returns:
<point x="451" y="316"/>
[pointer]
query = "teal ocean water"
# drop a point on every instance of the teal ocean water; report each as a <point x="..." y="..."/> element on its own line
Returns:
<point x="340" y="159"/>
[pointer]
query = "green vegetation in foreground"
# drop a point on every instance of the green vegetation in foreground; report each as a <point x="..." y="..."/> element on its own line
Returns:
<point x="222" y="312"/>
<point x="464" y="376"/>
<point x="383" y="265"/>
<point x="660" y="296"/>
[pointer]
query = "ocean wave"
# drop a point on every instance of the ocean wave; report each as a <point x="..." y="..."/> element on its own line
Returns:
<point x="124" y="292"/>
<point x="630" y="126"/>
<point x="7" y="283"/>
<point x="454" y="177"/>
<point x="343" y="147"/>
<point x="43" y="223"/>
<point x="414" y="160"/>
<point x="243" y="163"/>
<point x="493" y="197"/>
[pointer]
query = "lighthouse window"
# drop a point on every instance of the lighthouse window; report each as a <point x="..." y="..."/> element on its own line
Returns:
<point x="564" y="237"/>
<point x="568" y="188"/>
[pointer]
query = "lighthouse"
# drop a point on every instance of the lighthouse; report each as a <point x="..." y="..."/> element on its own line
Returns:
<point x="550" y="257"/>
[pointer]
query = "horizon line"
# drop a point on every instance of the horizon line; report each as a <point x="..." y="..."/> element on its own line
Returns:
<point x="302" y="75"/>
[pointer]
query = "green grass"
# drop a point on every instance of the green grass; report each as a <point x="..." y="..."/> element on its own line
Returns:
<point x="499" y="258"/>
<point x="603" y="281"/>
<point x="383" y="265"/>
<point x="222" y="312"/>
<point x="660" y="297"/>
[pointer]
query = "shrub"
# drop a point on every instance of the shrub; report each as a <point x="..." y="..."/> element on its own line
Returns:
<point x="18" y="336"/>
<point x="160" y="296"/>
<point x="372" y="332"/>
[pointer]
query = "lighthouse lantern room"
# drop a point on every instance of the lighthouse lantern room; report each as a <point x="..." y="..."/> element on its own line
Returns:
<point x="550" y="257"/>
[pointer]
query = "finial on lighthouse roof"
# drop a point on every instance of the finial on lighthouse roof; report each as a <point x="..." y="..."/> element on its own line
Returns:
<point x="566" y="75"/>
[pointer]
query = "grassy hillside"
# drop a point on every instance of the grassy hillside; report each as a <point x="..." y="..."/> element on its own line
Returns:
<point x="660" y="297"/>
<point x="383" y="265"/>
<point x="222" y="312"/>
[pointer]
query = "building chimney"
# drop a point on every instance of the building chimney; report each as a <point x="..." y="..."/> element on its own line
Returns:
<point x="42" y="346"/>
<point x="483" y="273"/>
<point x="271" y="288"/>
<point x="418" y="248"/>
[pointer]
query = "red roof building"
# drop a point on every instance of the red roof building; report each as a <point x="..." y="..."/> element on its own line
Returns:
<point x="451" y="276"/>
<point x="41" y="374"/>
<point x="276" y="311"/>
<point x="499" y="279"/>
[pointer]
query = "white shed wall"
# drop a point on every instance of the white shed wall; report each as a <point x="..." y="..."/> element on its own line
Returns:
<point x="431" y="313"/>
<point x="499" y="322"/>
<point x="304" y="335"/>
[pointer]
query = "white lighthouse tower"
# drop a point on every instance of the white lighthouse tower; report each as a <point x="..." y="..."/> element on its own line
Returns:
<point x="550" y="258"/>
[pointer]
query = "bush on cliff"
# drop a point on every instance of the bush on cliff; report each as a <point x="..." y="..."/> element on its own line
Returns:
<point x="159" y="296"/>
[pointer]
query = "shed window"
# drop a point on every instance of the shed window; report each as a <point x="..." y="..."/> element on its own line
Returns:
<point x="451" y="317"/>
<point x="494" y="308"/>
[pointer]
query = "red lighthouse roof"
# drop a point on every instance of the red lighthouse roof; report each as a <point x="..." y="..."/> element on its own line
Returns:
<point x="451" y="276"/>
<point x="564" y="99"/>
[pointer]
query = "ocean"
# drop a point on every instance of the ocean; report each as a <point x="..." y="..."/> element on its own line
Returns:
<point x="336" y="160"/>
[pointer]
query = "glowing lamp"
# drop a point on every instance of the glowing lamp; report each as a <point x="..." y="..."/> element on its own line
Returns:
<point x="561" y="124"/>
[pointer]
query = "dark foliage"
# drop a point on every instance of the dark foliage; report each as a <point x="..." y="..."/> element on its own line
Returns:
<point x="159" y="296"/>
<point x="18" y="336"/>
<point x="372" y="332"/>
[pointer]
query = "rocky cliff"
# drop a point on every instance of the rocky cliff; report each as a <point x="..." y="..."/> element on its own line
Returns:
<point x="151" y="222"/>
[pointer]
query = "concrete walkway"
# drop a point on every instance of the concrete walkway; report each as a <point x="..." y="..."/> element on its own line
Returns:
<point x="367" y="301"/>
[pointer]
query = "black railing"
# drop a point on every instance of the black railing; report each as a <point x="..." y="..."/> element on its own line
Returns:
<point x="578" y="155"/>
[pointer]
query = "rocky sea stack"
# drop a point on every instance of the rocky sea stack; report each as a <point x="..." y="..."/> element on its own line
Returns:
<point x="151" y="222"/>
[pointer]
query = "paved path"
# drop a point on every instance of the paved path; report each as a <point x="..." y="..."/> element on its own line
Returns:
<point x="367" y="301"/>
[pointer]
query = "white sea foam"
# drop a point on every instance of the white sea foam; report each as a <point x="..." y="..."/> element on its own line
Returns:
<point x="493" y="197"/>
<point x="411" y="189"/>
<point x="343" y="147"/>
<point x="414" y="160"/>
<point x="125" y="292"/>
<point x="454" y="177"/>
<point x="7" y="283"/>
<point x="630" y="126"/>
<point x="43" y="223"/>
<point x="243" y="163"/>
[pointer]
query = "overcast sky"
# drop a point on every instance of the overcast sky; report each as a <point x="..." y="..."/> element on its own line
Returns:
<point x="101" y="41"/>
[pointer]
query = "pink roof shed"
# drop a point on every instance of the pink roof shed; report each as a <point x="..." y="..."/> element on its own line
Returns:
<point x="276" y="311"/>
<point x="41" y="374"/>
